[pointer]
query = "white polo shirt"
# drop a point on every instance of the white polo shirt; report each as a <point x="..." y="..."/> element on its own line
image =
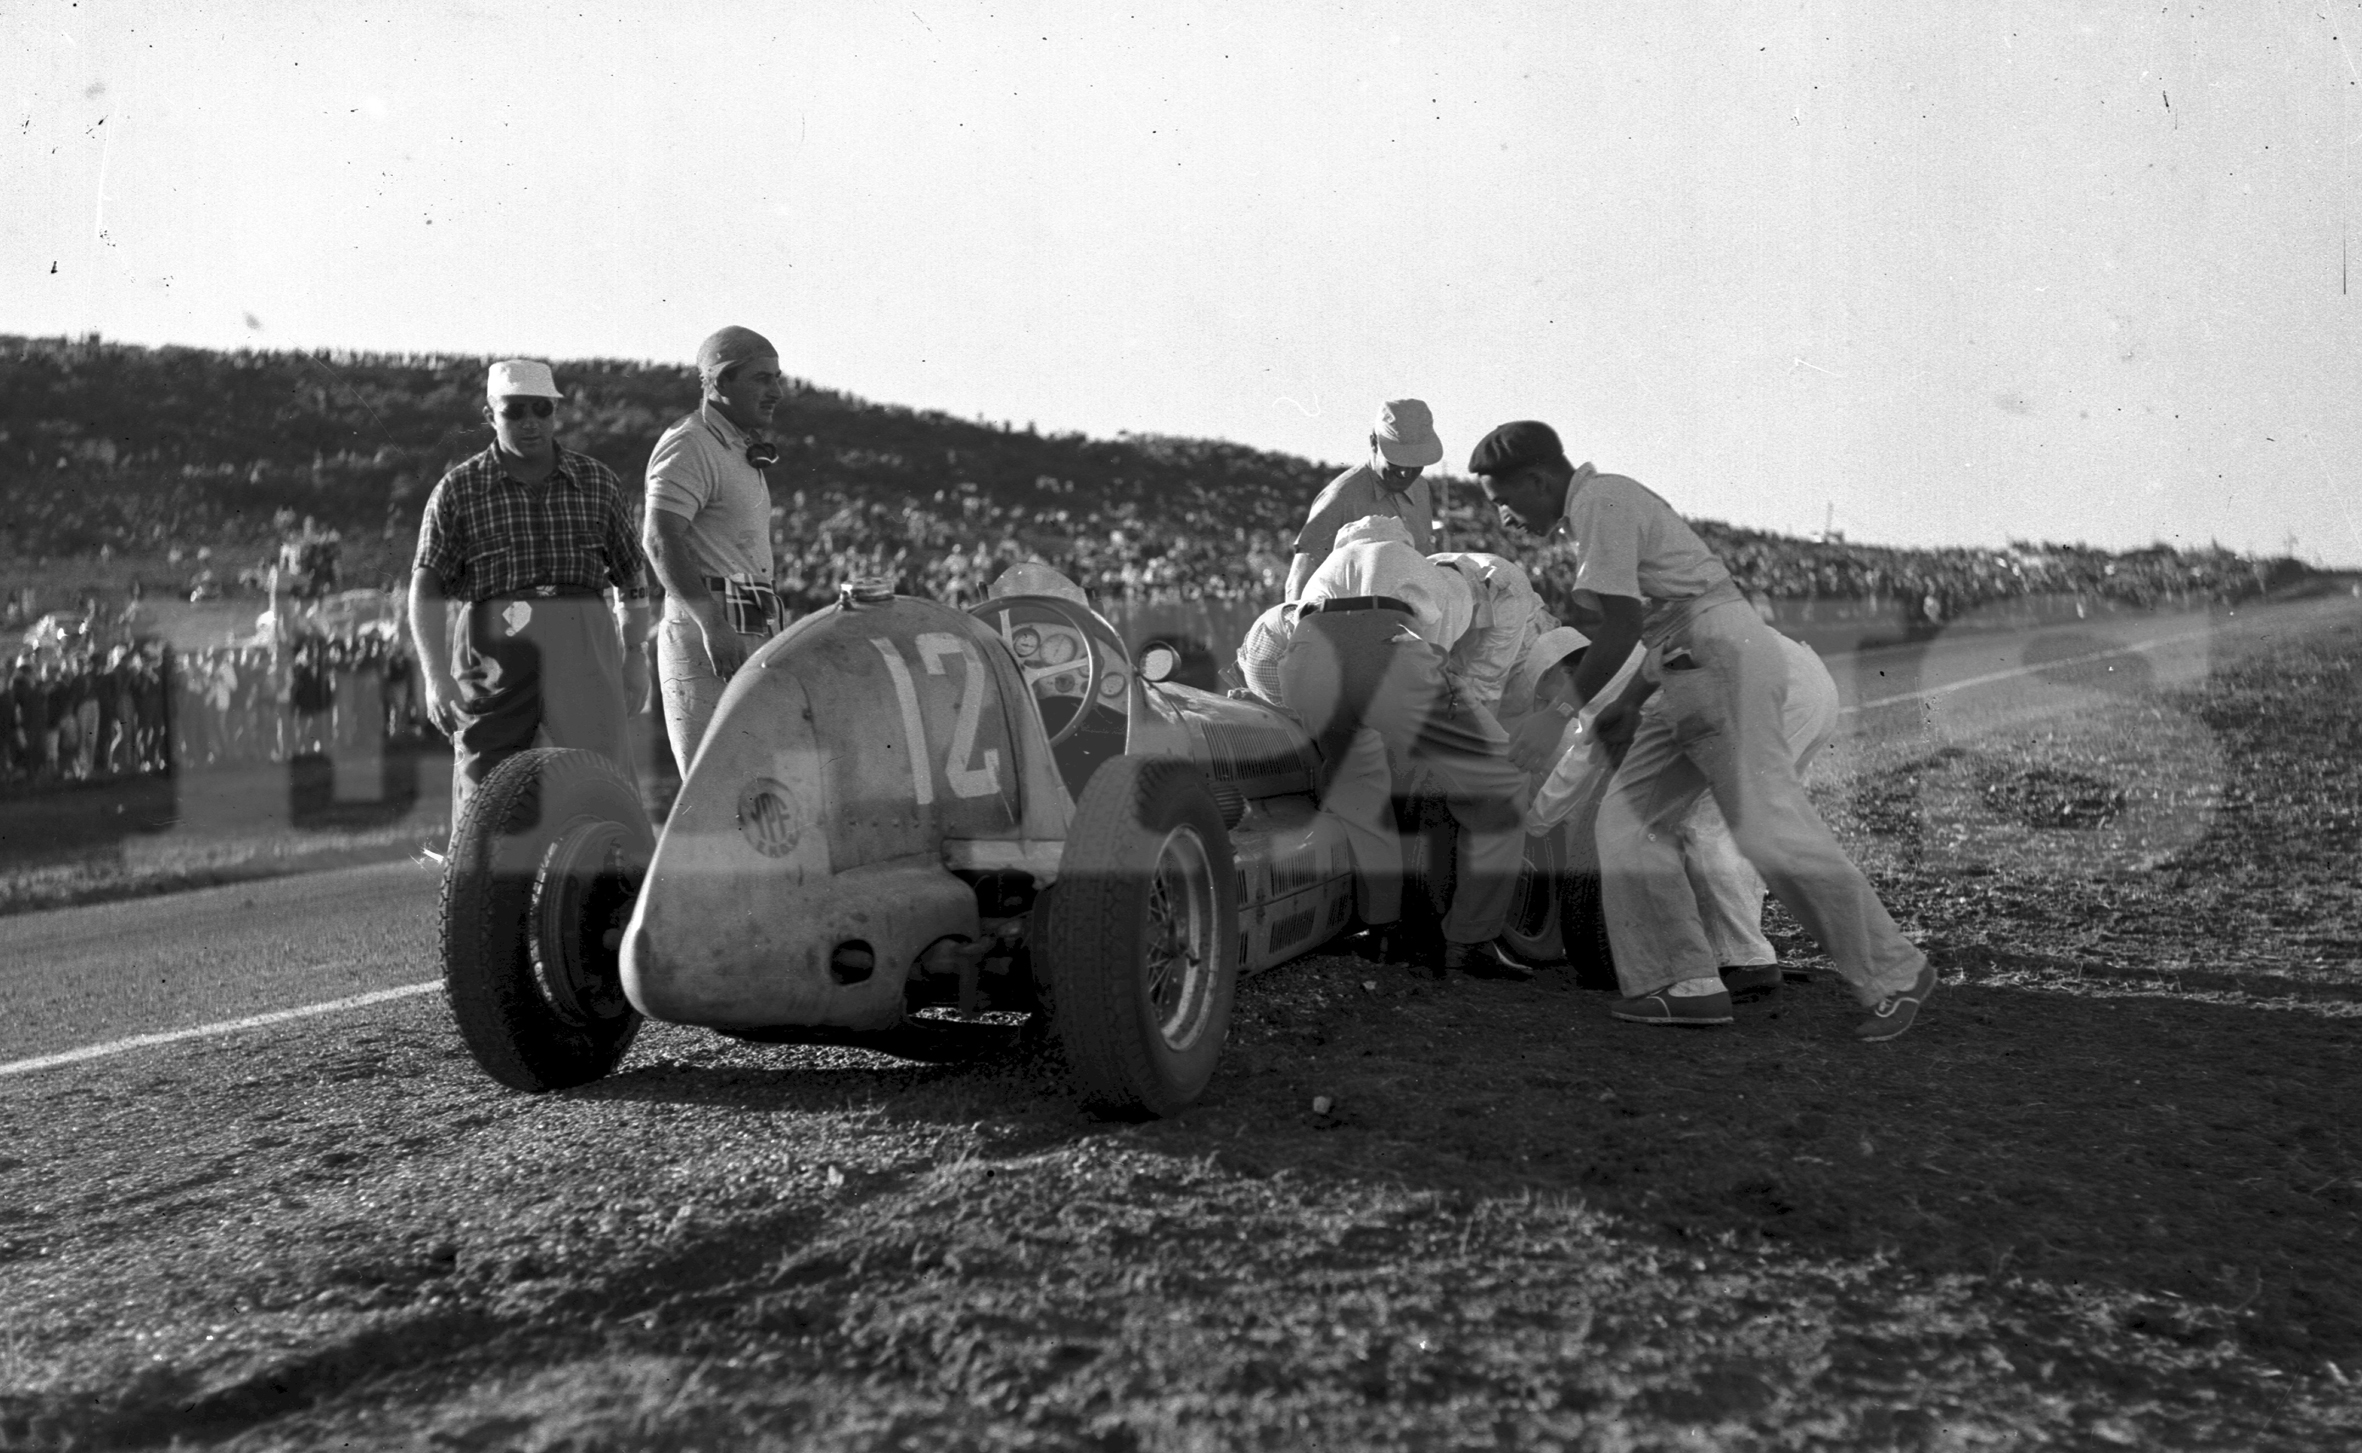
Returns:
<point x="699" y="472"/>
<point x="1629" y="542"/>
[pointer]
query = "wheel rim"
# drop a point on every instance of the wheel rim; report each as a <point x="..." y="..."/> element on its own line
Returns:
<point x="1534" y="904"/>
<point x="1179" y="944"/>
<point x="582" y="898"/>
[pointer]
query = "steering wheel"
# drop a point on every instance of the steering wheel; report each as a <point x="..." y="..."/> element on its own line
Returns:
<point x="1069" y="614"/>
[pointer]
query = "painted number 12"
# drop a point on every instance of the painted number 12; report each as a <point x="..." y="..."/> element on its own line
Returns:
<point x="936" y="647"/>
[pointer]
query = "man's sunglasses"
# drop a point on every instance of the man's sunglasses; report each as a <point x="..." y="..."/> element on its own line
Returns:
<point x="762" y="454"/>
<point x="519" y="408"/>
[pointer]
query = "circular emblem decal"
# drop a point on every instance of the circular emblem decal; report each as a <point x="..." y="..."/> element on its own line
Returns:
<point x="768" y="816"/>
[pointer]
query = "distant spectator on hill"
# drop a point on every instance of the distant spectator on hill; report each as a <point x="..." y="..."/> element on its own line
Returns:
<point x="1402" y="445"/>
<point x="708" y="531"/>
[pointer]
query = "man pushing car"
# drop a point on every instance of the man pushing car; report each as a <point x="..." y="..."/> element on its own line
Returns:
<point x="1719" y="730"/>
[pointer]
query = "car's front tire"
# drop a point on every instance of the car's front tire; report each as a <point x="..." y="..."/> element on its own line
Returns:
<point x="1140" y="942"/>
<point x="544" y="866"/>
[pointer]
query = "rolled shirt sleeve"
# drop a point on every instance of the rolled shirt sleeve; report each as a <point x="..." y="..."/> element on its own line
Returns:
<point x="442" y="542"/>
<point x="680" y="475"/>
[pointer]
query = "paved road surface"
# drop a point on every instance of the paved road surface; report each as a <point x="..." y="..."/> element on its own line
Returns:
<point x="76" y="976"/>
<point x="84" y="976"/>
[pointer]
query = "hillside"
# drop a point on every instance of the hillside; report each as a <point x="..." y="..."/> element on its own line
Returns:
<point x="132" y="450"/>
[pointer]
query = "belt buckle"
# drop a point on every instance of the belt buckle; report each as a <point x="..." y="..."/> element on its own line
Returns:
<point x="545" y="591"/>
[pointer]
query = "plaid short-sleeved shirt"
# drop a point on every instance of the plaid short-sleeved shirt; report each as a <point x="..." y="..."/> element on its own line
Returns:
<point x="487" y="535"/>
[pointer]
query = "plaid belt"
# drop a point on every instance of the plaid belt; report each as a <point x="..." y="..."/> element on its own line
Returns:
<point x="752" y="605"/>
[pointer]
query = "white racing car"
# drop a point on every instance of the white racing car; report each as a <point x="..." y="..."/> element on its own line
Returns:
<point x="905" y="812"/>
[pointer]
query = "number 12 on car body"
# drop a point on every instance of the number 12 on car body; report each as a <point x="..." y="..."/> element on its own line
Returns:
<point x="934" y="648"/>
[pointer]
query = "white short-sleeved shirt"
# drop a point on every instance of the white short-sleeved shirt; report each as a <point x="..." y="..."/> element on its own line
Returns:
<point x="1629" y="542"/>
<point x="699" y="472"/>
<point x="1360" y="492"/>
<point x="1374" y="556"/>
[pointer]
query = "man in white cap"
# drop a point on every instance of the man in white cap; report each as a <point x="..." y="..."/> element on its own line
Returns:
<point x="708" y="531"/>
<point x="530" y="536"/>
<point x="1365" y="672"/>
<point x="1717" y="730"/>
<point x="1402" y="445"/>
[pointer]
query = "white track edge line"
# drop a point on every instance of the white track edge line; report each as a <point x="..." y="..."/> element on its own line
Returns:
<point x="2017" y="671"/>
<point x="212" y="1031"/>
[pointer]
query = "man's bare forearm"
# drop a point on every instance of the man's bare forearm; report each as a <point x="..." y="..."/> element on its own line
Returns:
<point x="1618" y="633"/>
<point x="675" y="563"/>
<point x="430" y="623"/>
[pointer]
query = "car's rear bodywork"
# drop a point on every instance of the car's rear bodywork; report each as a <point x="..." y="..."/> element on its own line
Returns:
<point x="880" y="801"/>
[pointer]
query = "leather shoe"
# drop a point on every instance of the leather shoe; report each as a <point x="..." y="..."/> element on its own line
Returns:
<point x="1893" y="1014"/>
<point x="1487" y="960"/>
<point x="1751" y="981"/>
<point x="1662" y="1008"/>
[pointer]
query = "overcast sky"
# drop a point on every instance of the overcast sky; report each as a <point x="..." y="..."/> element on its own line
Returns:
<point x="1960" y="272"/>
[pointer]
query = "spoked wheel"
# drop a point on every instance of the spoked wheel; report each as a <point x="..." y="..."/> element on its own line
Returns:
<point x="545" y="864"/>
<point x="1177" y="951"/>
<point x="1140" y="944"/>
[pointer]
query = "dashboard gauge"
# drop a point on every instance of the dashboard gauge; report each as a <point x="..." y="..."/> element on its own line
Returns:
<point x="1112" y="685"/>
<point x="1058" y="649"/>
<point x="1026" y="641"/>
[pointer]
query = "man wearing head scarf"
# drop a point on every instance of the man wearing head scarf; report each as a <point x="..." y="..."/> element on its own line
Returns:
<point x="708" y="531"/>
<point x="1402" y="445"/>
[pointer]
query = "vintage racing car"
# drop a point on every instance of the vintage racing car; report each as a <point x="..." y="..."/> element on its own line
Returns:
<point x="903" y="810"/>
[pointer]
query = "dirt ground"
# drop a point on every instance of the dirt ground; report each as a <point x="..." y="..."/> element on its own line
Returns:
<point x="2107" y="1194"/>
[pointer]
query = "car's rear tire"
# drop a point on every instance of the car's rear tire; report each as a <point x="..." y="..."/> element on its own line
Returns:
<point x="544" y="866"/>
<point x="1140" y="940"/>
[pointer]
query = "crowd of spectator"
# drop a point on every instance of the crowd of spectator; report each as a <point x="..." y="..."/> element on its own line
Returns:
<point x="313" y="466"/>
<point x="953" y="546"/>
<point x="77" y="713"/>
<point x="88" y="716"/>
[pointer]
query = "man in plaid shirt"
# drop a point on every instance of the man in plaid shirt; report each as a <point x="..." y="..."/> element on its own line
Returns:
<point x="528" y="536"/>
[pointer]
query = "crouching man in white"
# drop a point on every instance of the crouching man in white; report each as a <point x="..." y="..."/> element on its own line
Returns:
<point x="1365" y="671"/>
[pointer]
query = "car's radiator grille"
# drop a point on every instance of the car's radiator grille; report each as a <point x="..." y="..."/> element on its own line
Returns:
<point x="1272" y="758"/>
